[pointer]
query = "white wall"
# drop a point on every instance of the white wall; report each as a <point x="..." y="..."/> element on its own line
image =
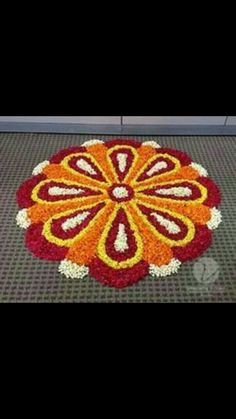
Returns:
<point x="127" y="120"/>
<point x="174" y="120"/>
<point x="231" y="120"/>
<point x="64" y="119"/>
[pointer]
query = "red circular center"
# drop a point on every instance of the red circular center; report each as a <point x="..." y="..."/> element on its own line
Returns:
<point x="120" y="192"/>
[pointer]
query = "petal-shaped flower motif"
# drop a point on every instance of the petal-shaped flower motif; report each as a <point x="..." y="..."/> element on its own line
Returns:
<point x="65" y="228"/>
<point x="61" y="191"/>
<point x="169" y="227"/>
<point x="155" y="168"/>
<point x="177" y="191"/>
<point x="120" y="245"/>
<point x="118" y="210"/>
<point x="121" y="159"/>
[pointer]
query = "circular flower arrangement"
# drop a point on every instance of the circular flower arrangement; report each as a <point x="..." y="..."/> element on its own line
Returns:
<point x="118" y="210"/>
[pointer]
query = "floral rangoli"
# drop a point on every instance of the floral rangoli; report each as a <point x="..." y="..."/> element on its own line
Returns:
<point x="118" y="210"/>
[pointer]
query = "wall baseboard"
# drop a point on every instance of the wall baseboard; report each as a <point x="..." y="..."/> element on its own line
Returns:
<point x="64" y="128"/>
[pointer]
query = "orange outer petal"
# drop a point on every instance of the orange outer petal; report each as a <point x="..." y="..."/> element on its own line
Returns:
<point x="42" y="212"/>
<point x="84" y="249"/>
<point x="99" y="152"/>
<point x="184" y="173"/>
<point x="198" y="213"/>
<point x="155" y="252"/>
<point x="56" y="171"/>
<point x="144" y="152"/>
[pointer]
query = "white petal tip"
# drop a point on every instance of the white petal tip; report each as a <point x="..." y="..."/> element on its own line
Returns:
<point x="72" y="270"/>
<point x="39" y="168"/>
<point x="165" y="270"/>
<point x="151" y="144"/>
<point x="92" y="142"/>
<point x="216" y="219"/>
<point x="200" y="169"/>
<point x="22" y="219"/>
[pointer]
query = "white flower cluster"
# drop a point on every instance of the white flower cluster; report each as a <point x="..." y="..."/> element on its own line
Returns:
<point x="121" y="242"/>
<point x="92" y="142"/>
<point x="215" y="220"/>
<point x="165" y="270"/>
<point x="74" y="221"/>
<point x="122" y="161"/>
<point x="151" y="144"/>
<point x="176" y="190"/>
<point x="84" y="165"/>
<point x="39" y="168"/>
<point x="157" y="167"/>
<point x="56" y="191"/>
<point x="72" y="270"/>
<point x="200" y="169"/>
<point x="22" y="219"/>
<point x="120" y="192"/>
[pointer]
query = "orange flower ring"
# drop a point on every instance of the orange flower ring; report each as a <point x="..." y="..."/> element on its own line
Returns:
<point x="118" y="210"/>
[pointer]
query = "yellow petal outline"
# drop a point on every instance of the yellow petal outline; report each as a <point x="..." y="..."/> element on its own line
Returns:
<point x="189" y="224"/>
<point x="65" y="163"/>
<point x="101" y="249"/>
<point x="116" y="148"/>
<point x="203" y="190"/>
<point x="35" y="191"/>
<point x="174" y="160"/>
<point x="68" y="242"/>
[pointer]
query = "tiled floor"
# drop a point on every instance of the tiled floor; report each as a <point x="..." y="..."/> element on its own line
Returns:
<point x="24" y="278"/>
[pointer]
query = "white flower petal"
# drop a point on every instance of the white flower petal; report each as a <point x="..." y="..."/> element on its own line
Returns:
<point x="151" y="144"/>
<point x="39" y="168"/>
<point x="92" y="142"/>
<point x="120" y="192"/>
<point x="170" y="226"/>
<point x="22" y="219"/>
<point x="157" y="167"/>
<point x="57" y="191"/>
<point x="85" y="166"/>
<point x="215" y="220"/>
<point x="121" y="242"/>
<point x="72" y="270"/>
<point x="75" y="221"/>
<point x="201" y="170"/>
<point x="164" y="270"/>
<point x="176" y="190"/>
<point x="122" y="161"/>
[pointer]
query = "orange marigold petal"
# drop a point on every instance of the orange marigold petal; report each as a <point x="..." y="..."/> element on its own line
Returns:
<point x="99" y="152"/>
<point x="184" y="173"/>
<point x="155" y="252"/>
<point x="84" y="249"/>
<point x="144" y="154"/>
<point x="199" y="213"/>
<point x="42" y="212"/>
